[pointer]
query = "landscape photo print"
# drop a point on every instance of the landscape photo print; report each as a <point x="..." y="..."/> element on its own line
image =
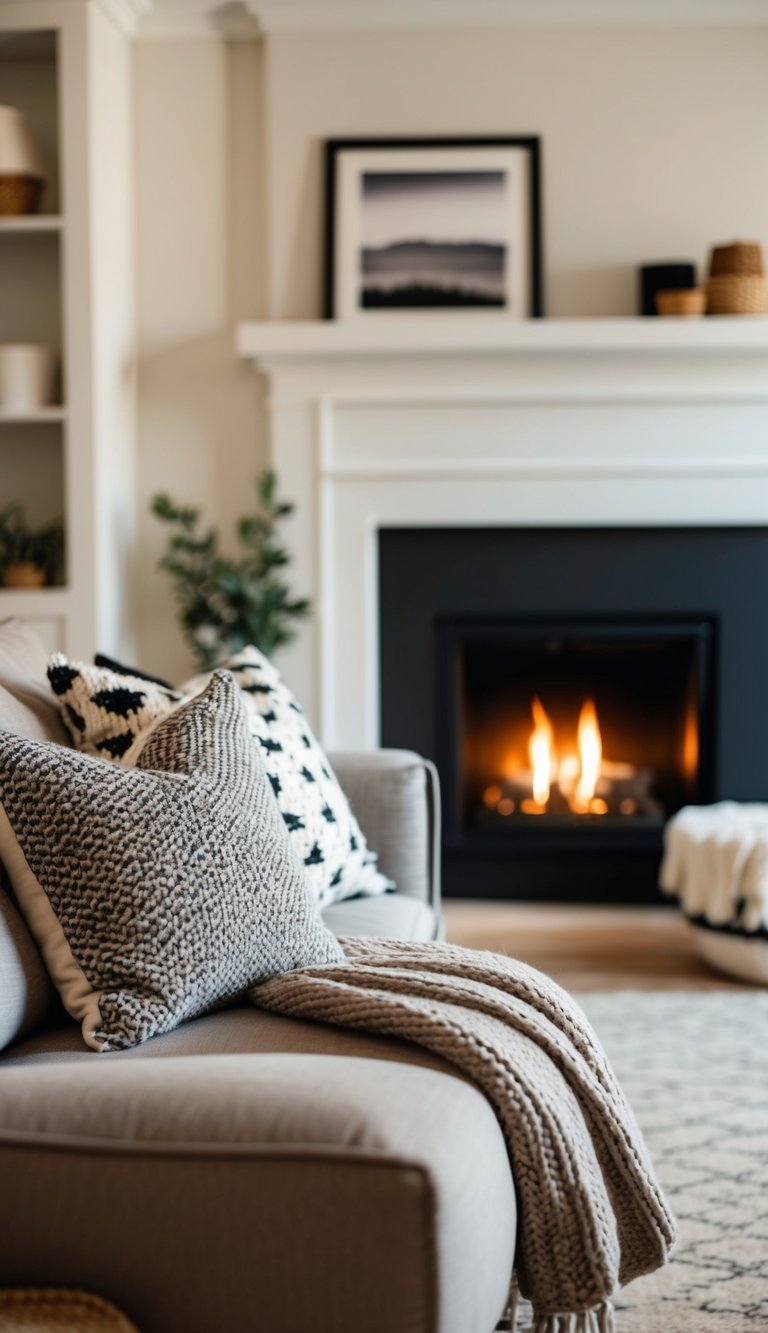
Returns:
<point x="433" y="225"/>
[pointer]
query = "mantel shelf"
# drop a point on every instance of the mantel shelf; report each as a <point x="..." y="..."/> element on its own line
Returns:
<point x="483" y="335"/>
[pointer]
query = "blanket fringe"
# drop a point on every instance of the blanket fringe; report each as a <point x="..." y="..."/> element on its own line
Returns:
<point x="599" y="1319"/>
<point x="508" y="1321"/>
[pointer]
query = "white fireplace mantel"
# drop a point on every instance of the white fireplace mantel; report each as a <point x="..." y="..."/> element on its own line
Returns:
<point x="282" y="343"/>
<point x="485" y="421"/>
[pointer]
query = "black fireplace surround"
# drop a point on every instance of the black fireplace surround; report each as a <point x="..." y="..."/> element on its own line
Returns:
<point x="664" y="629"/>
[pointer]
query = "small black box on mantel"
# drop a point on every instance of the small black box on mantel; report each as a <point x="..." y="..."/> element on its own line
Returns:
<point x="663" y="278"/>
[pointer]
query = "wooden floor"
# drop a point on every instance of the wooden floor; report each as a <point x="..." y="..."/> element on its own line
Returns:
<point x="589" y="948"/>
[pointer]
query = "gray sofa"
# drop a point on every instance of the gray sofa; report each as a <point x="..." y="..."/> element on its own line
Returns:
<point x="247" y="1171"/>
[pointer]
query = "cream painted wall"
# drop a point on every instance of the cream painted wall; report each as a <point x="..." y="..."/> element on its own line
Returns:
<point x="653" y="139"/>
<point x="197" y="145"/>
<point x="654" y="142"/>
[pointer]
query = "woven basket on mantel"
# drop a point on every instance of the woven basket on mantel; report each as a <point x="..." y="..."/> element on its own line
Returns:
<point x="740" y="257"/>
<point x="40" y="1311"/>
<point x="737" y="294"/>
<point x="682" y="301"/>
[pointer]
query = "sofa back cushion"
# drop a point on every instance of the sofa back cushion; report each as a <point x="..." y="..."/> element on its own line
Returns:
<point x="26" y="709"/>
<point x="26" y="706"/>
<point x="26" y="993"/>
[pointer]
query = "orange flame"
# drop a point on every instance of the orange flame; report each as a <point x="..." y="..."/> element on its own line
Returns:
<point x="691" y="742"/>
<point x="541" y="751"/>
<point x="590" y="754"/>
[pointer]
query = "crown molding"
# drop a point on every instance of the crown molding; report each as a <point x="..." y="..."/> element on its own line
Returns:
<point x="286" y="14"/>
<point x="246" y="19"/>
<point x="198" y="18"/>
<point x="127" y="14"/>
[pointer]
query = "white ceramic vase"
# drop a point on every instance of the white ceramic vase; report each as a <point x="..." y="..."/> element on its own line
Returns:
<point x="27" y="377"/>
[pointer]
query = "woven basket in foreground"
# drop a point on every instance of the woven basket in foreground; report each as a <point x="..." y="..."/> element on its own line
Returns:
<point x="737" y="294"/>
<point x="37" y="1311"/>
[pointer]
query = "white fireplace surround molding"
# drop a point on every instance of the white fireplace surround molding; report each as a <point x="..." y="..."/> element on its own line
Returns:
<point x="479" y="421"/>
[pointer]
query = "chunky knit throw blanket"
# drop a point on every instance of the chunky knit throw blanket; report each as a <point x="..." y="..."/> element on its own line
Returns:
<point x="591" y="1215"/>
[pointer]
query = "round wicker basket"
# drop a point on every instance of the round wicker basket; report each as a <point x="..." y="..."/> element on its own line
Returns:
<point x="19" y="195"/>
<point x="737" y="294"/>
<point x="740" y="257"/>
<point x="37" y="1311"/>
<point x="682" y="301"/>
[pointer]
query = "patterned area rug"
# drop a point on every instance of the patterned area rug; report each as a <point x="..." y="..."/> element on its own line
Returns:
<point x="695" y="1068"/>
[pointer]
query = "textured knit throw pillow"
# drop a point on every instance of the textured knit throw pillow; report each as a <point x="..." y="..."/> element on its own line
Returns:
<point x="106" y="712"/>
<point x="158" y="892"/>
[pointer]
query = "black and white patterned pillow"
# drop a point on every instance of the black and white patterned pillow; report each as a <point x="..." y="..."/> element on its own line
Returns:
<point x="104" y="710"/>
<point x="158" y="892"/>
<point x="108" y="714"/>
<point x="324" y="832"/>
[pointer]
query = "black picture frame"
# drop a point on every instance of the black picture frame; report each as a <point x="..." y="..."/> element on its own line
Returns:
<point x="387" y="159"/>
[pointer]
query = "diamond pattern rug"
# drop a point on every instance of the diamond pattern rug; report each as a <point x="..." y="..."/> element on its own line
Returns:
<point x="695" y="1068"/>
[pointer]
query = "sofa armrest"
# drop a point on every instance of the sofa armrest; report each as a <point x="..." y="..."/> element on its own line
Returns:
<point x="395" y="795"/>
<point x="248" y="1192"/>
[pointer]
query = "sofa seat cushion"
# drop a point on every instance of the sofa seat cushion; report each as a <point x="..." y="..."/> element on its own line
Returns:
<point x="391" y="916"/>
<point x="345" y="1193"/>
<point x="243" y="1030"/>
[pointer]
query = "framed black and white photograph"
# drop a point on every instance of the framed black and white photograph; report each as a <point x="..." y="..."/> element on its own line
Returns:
<point x="432" y="225"/>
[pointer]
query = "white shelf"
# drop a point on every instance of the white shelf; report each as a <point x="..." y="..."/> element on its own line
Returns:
<point x="37" y="222"/>
<point x="41" y="415"/>
<point x="35" y="601"/>
<point x="470" y="334"/>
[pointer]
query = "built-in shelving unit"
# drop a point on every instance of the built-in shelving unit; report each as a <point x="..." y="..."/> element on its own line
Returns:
<point x="66" y="64"/>
<point x="33" y="443"/>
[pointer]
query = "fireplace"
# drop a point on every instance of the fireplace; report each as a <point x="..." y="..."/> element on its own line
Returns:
<point x="541" y="471"/>
<point x="575" y="687"/>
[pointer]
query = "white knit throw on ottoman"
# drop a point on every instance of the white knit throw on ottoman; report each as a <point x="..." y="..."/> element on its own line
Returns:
<point x="592" y="1216"/>
<point x="716" y="863"/>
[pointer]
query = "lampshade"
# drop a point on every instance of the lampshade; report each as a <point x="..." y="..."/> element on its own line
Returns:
<point x="18" y="155"/>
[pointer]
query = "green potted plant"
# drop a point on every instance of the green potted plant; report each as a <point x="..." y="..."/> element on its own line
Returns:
<point x="29" y="557"/>
<point x="227" y="602"/>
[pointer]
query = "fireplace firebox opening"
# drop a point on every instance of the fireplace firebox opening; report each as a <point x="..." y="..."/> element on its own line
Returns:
<point x="576" y="726"/>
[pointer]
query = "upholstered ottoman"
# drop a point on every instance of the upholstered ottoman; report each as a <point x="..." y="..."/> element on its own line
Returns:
<point x="716" y="863"/>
